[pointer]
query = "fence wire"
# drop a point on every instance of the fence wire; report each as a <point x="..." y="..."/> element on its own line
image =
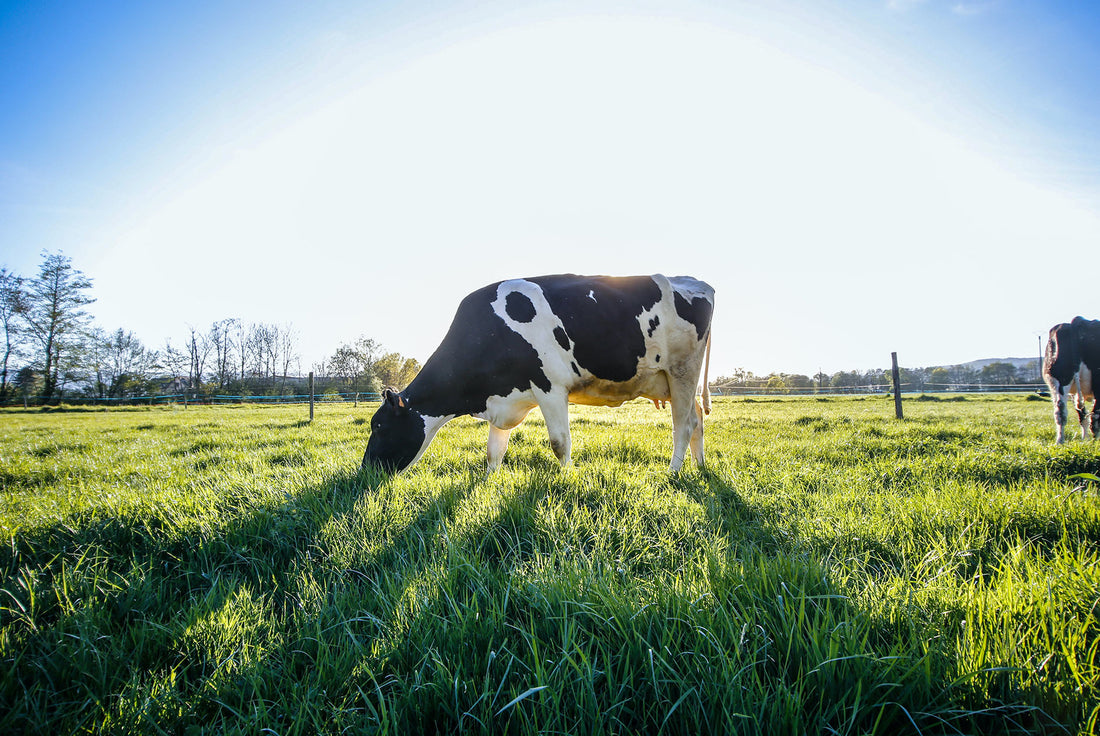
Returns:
<point x="882" y="388"/>
<point x="196" y="399"/>
<point x="353" y="397"/>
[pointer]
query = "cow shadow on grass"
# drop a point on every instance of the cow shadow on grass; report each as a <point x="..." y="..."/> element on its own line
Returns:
<point x="236" y="613"/>
<point x="874" y="672"/>
<point x="469" y="593"/>
<point x="97" y="603"/>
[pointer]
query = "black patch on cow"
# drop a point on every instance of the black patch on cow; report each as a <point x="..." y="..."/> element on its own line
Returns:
<point x="653" y="324"/>
<point x="519" y="307"/>
<point x="697" y="312"/>
<point x="575" y="368"/>
<point x="1061" y="358"/>
<point x="1088" y="337"/>
<point x="600" y="316"/>
<point x="480" y="356"/>
<point x="561" y="337"/>
<point x="657" y="359"/>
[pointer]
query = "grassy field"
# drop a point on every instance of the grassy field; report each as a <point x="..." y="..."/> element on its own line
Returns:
<point x="834" y="570"/>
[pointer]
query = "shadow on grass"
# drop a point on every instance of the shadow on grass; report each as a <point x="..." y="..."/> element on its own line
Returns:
<point x="836" y="663"/>
<point x="95" y="603"/>
<point x="449" y="623"/>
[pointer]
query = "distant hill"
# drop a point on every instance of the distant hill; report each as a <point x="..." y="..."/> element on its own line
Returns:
<point x="1018" y="362"/>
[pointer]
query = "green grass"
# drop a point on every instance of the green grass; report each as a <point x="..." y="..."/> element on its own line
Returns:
<point x="834" y="570"/>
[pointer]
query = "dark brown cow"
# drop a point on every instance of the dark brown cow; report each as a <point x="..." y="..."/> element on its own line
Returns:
<point x="1072" y="359"/>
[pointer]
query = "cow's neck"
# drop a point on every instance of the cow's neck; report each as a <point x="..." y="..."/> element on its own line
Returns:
<point x="442" y="392"/>
<point x="433" y="398"/>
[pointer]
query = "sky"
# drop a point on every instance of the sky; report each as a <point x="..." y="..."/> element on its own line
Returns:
<point x="853" y="178"/>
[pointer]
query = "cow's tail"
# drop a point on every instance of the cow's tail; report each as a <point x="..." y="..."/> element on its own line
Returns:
<point x="706" y="378"/>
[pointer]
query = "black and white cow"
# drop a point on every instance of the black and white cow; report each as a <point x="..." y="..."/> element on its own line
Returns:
<point x="550" y="341"/>
<point x="1072" y="359"/>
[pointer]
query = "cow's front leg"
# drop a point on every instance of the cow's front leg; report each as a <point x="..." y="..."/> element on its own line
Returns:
<point x="498" y="443"/>
<point x="1082" y="414"/>
<point x="555" y="411"/>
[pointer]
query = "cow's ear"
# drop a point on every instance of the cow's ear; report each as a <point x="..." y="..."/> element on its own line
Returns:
<point x="394" y="399"/>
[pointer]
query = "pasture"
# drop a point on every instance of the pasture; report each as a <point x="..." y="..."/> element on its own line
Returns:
<point x="834" y="570"/>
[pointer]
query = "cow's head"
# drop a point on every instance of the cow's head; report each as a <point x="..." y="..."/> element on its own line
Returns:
<point x="397" y="434"/>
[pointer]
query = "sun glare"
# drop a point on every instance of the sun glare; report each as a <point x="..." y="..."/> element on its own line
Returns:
<point x="560" y="145"/>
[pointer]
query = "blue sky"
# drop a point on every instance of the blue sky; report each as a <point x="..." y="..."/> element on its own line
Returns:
<point x="854" y="178"/>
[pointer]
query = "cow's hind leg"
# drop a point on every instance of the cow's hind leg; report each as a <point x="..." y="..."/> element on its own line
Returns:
<point x="1058" y="396"/>
<point x="687" y="424"/>
<point x="697" y="436"/>
<point x="555" y="411"/>
<point x="498" y="443"/>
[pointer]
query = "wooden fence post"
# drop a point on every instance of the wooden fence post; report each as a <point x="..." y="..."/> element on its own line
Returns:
<point x="311" y="396"/>
<point x="897" y="386"/>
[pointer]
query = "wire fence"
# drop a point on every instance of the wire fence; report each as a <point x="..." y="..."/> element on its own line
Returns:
<point x="334" y="397"/>
<point x="879" y="388"/>
<point x="185" y="399"/>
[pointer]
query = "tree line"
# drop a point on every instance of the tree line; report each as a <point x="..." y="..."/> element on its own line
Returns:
<point x="936" y="378"/>
<point x="53" y="350"/>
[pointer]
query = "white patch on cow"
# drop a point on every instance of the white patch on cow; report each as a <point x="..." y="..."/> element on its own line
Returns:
<point x="690" y="288"/>
<point x="592" y="295"/>
<point x="431" y="426"/>
<point x="506" y="412"/>
<point x="1084" y="382"/>
<point x="1082" y="389"/>
<point x="539" y="332"/>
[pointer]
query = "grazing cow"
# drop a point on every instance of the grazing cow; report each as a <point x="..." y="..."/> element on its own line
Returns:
<point x="1072" y="359"/>
<point x="548" y="342"/>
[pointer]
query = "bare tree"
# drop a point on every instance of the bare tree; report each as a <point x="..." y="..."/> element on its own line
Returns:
<point x="174" y="360"/>
<point x="267" y="351"/>
<point x="128" y="363"/>
<point x="288" y="349"/>
<point x="271" y="350"/>
<point x="12" y="306"/>
<point x="55" y="314"/>
<point x="95" y="361"/>
<point x="199" y="352"/>
<point x="258" y="342"/>
<point x="221" y="340"/>
<point x="240" y="332"/>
